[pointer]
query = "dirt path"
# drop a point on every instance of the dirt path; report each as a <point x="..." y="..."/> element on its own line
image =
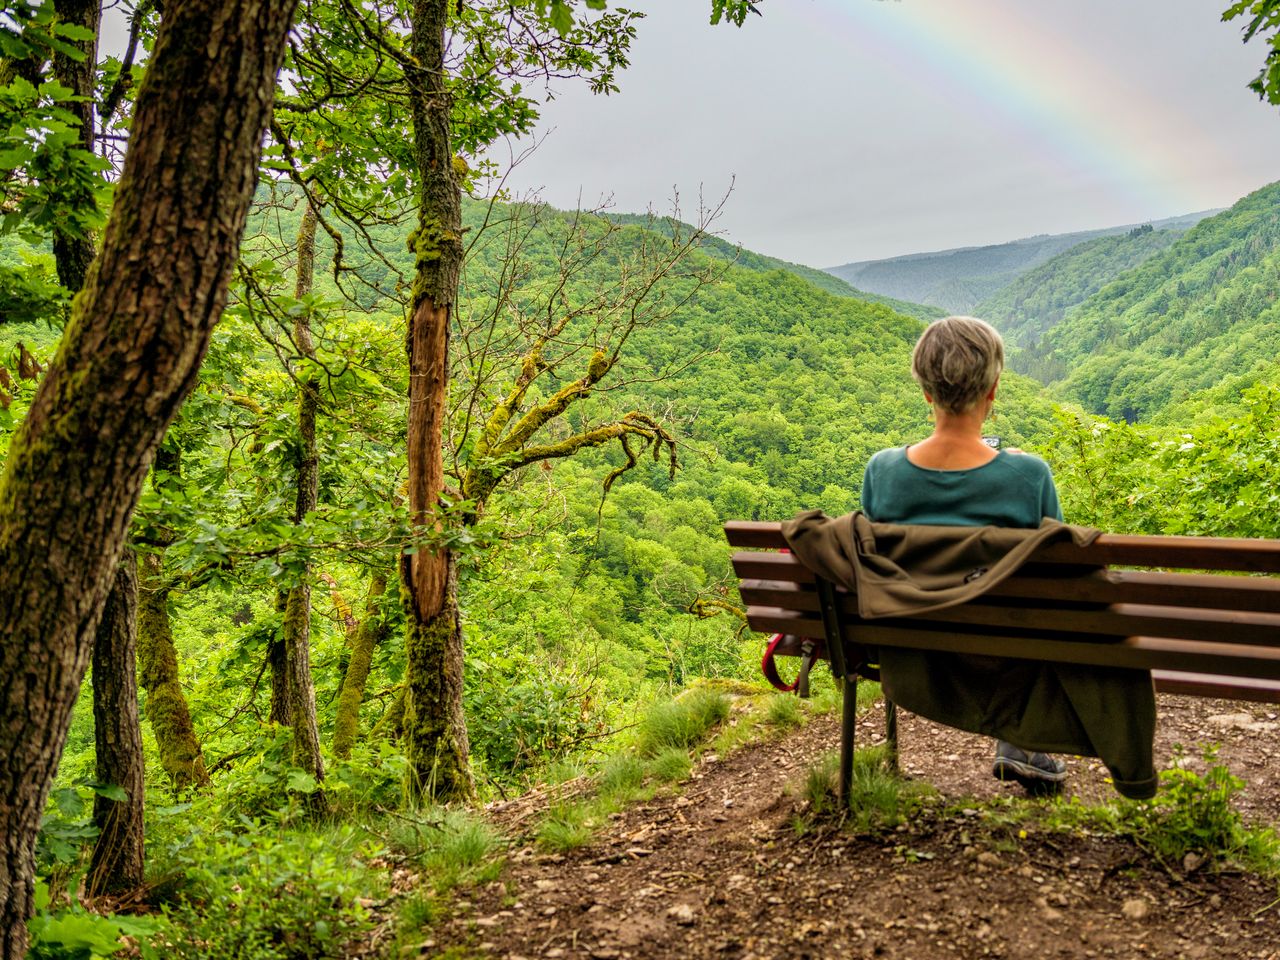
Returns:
<point x="719" y="869"/>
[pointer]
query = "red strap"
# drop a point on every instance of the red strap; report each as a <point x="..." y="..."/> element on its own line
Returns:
<point x="770" y="668"/>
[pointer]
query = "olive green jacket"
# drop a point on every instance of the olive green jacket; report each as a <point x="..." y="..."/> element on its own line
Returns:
<point x="897" y="570"/>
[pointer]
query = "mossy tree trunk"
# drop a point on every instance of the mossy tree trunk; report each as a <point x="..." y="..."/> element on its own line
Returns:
<point x="167" y="709"/>
<point x="278" y="666"/>
<point x="297" y="613"/>
<point x="371" y="631"/>
<point x="130" y="354"/>
<point x="116" y="864"/>
<point x="435" y="730"/>
<point x="72" y="250"/>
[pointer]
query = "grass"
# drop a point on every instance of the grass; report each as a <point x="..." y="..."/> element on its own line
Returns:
<point x="453" y="848"/>
<point x="567" y="828"/>
<point x="671" y="765"/>
<point x="784" y="713"/>
<point x="682" y="722"/>
<point x="879" y="799"/>
<point x="664" y="742"/>
<point x="1192" y="814"/>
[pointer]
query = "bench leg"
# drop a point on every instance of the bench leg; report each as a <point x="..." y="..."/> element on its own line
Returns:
<point x="891" y="734"/>
<point x="848" y="726"/>
<point x="806" y="664"/>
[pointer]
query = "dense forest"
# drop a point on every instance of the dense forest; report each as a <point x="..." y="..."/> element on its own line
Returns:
<point x="958" y="280"/>
<point x="1039" y="298"/>
<point x="331" y="498"/>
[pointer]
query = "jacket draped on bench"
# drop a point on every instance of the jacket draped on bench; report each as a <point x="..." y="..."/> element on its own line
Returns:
<point x="896" y="570"/>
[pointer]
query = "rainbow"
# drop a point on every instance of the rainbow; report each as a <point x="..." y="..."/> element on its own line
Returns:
<point x="1007" y="70"/>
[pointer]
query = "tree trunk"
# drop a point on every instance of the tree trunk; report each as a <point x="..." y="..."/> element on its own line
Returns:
<point x="435" y="730"/>
<point x="72" y="251"/>
<point x="297" y="615"/>
<point x="278" y="665"/>
<point x="116" y="864"/>
<point x="371" y="631"/>
<point x="167" y="709"/>
<point x="130" y="354"/>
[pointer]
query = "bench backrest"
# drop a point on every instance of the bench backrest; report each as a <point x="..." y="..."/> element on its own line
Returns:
<point x="1203" y="633"/>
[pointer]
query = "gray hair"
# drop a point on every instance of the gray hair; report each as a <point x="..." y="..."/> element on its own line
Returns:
<point x="957" y="361"/>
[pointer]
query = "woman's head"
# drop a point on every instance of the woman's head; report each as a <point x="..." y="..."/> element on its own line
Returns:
<point x="957" y="361"/>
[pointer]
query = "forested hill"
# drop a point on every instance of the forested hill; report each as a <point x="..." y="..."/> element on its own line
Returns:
<point x="1200" y="312"/>
<point x="958" y="280"/>
<point x="719" y="247"/>
<point x="1038" y="300"/>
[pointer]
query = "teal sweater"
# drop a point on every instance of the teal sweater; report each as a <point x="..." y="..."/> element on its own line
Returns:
<point x="1013" y="490"/>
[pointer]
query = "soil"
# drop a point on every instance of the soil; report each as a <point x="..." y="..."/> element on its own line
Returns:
<point x="718" y="868"/>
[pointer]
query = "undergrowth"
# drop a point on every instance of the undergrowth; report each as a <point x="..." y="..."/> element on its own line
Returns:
<point x="879" y="798"/>
<point x="1192" y="814"/>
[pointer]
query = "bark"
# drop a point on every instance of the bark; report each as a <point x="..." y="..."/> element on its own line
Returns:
<point x="301" y="691"/>
<point x="371" y="631"/>
<point x="167" y="709"/>
<point x="130" y="354"/>
<point x="278" y="664"/>
<point x="116" y="864"/>
<point x="435" y="731"/>
<point x="72" y="251"/>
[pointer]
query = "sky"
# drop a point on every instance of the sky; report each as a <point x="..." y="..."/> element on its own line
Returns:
<point x="860" y="129"/>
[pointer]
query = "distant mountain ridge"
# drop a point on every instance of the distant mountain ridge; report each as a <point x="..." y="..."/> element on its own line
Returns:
<point x="761" y="263"/>
<point x="1036" y="302"/>
<point x="1200" y="313"/>
<point x="957" y="280"/>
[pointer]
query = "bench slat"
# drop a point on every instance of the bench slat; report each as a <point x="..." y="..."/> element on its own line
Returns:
<point x="1166" y="681"/>
<point x="1208" y="685"/>
<point x="1256" y="629"/>
<point x="1256" y="594"/>
<point x="1200" y="553"/>
<point x="1186" y="656"/>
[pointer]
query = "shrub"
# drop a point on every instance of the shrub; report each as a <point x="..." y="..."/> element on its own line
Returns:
<point x="682" y="722"/>
<point x="258" y="896"/>
<point x="1192" y="813"/>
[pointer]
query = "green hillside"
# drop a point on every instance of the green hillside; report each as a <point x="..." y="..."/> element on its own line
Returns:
<point x="958" y="280"/>
<point x="716" y="246"/>
<point x="1187" y="319"/>
<point x="1037" y="300"/>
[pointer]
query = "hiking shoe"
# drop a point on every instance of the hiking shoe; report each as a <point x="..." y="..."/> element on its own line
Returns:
<point x="1038" y="773"/>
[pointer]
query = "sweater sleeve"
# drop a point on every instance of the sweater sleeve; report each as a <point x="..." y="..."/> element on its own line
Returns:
<point x="1049" y="505"/>
<point x="868" y="489"/>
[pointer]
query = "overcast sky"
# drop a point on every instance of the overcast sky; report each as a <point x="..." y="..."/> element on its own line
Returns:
<point x="858" y="129"/>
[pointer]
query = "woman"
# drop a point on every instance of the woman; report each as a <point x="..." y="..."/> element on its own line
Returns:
<point x="953" y="478"/>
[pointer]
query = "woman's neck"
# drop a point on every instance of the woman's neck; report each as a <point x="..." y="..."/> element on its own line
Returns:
<point x="956" y="443"/>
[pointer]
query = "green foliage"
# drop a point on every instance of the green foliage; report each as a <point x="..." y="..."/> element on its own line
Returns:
<point x="523" y="716"/>
<point x="566" y="828"/>
<point x="49" y="179"/>
<point x="683" y="722"/>
<point x="1201" y="311"/>
<point x="1034" y="303"/>
<point x="784" y="712"/>
<point x="454" y="848"/>
<point x="1263" y="18"/>
<point x="622" y="774"/>
<point x="73" y="933"/>
<point x="879" y="799"/>
<point x="671" y="764"/>
<point x="67" y="826"/>
<point x="1215" y="479"/>
<point x="261" y="895"/>
<point x="1192" y="813"/>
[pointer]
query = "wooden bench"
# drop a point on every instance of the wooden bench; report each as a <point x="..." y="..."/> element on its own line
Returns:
<point x="1206" y="634"/>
